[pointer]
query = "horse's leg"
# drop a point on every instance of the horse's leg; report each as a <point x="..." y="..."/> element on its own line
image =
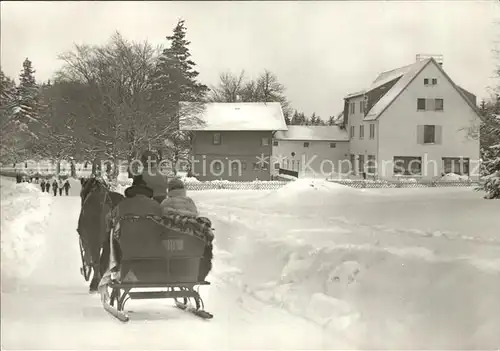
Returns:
<point x="96" y="278"/>
<point x="104" y="259"/>
<point x="96" y="272"/>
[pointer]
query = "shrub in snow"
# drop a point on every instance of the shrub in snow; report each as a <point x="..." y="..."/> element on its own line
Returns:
<point x="492" y="179"/>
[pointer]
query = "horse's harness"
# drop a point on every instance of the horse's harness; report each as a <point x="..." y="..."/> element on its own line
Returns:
<point x="106" y="200"/>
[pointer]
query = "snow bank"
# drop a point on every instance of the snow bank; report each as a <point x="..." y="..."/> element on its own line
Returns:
<point x="381" y="288"/>
<point x="453" y="177"/>
<point x="310" y="192"/>
<point x="376" y="297"/>
<point x="25" y="210"/>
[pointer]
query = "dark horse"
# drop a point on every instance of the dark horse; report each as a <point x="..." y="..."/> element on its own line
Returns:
<point x="97" y="203"/>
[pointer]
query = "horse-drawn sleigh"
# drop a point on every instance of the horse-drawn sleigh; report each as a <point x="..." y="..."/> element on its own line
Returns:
<point x="171" y="253"/>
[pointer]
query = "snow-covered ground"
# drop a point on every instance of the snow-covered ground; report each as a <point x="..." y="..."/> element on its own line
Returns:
<point x="313" y="265"/>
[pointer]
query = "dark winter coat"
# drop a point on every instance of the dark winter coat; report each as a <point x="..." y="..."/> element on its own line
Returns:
<point x="155" y="180"/>
<point x="67" y="186"/>
<point x="54" y="185"/>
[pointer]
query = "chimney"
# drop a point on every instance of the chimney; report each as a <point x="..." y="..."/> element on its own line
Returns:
<point x="437" y="58"/>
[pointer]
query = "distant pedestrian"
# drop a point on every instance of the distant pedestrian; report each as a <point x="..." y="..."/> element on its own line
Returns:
<point x="60" y="187"/>
<point x="42" y="185"/>
<point x="47" y="186"/>
<point x="54" y="187"/>
<point x="37" y="178"/>
<point x="19" y="178"/>
<point x="67" y="186"/>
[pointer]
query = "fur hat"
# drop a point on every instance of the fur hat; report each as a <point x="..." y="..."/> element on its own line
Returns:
<point x="149" y="158"/>
<point x="175" y="183"/>
<point x="139" y="186"/>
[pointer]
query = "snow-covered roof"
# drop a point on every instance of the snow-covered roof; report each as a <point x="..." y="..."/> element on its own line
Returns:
<point x="326" y="133"/>
<point x="248" y="116"/>
<point x="406" y="74"/>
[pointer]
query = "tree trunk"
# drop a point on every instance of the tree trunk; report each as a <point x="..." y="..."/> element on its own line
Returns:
<point x="58" y="167"/>
<point x="73" y="169"/>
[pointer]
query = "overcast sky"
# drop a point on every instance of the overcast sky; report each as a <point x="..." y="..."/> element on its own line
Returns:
<point x="320" y="51"/>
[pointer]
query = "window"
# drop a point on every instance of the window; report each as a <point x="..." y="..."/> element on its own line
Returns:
<point x="439" y="104"/>
<point x="361" y="132"/>
<point x="361" y="107"/>
<point x="371" y="165"/>
<point x="404" y="165"/>
<point x="352" y="132"/>
<point x="361" y="163"/>
<point x="264" y="166"/>
<point x="275" y="143"/>
<point x="235" y="165"/>
<point x="255" y="166"/>
<point x="456" y="165"/>
<point x="434" y="81"/>
<point x="276" y="165"/>
<point x="430" y="104"/>
<point x="420" y="104"/>
<point x="306" y="144"/>
<point x="426" y="81"/>
<point x="216" y="139"/>
<point x="333" y="145"/>
<point x="351" y="108"/>
<point x="264" y="142"/>
<point x="372" y="131"/>
<point x="217" y="165"/>
<point x="429" y="134"/>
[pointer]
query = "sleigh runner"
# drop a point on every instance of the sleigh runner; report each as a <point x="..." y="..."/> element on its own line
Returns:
<point x="172" y="252"/>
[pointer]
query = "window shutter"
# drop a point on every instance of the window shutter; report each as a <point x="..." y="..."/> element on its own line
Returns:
<point x="420" y="134"/>
<point x="430" y="104"/>
<point x="439" y="134"/>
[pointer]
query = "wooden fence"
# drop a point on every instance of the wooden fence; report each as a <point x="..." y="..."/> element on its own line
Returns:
<point x="270" y="185"/>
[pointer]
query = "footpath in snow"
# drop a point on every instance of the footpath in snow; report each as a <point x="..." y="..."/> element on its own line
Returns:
<point x="48" y="307"/>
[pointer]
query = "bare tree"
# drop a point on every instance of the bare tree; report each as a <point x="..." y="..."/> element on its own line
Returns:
<point x="266" y="88"/>
<point x="229" y="89"/>
<point x="120" y="119"/>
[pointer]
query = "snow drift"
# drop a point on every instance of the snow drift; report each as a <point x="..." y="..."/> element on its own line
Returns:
<point x="25" y="210"/>
<point x="379" y="288"/>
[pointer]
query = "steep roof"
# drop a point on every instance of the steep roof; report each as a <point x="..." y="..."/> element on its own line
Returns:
<point x="318" y="133"/>
<point x="238" y="116"/>
<point x="405" y="75"/>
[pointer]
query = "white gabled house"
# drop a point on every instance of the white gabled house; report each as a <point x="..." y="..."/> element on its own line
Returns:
<point x="413" y="121"/>
<point x="310" y="150"/>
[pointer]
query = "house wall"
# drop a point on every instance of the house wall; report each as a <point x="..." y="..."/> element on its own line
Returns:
<point x="361" y="146"/>
<point x="243" y="146"/>
<point x="398" y="126"/>
<point x="310" y="160"/>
